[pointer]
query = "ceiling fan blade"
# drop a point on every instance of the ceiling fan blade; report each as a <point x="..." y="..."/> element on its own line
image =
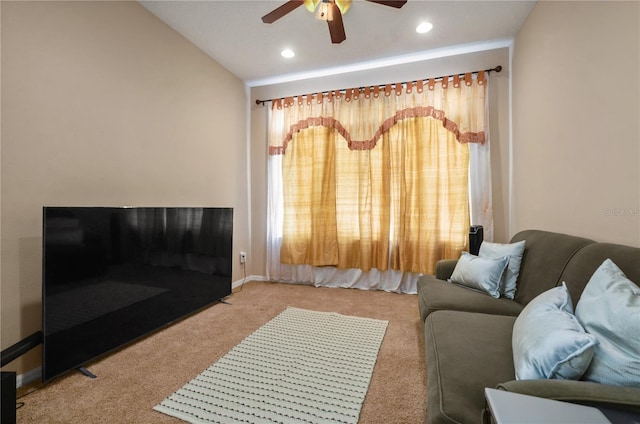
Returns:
<point x="279" y="12"/>
<point x="392" y="3"/>
<point x="336" y="27"/>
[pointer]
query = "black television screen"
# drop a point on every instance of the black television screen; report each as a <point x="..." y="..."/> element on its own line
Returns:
<point x="112" y="275"/>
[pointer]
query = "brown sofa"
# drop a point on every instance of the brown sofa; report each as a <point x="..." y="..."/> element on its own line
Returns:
<point x="468" y="333"/>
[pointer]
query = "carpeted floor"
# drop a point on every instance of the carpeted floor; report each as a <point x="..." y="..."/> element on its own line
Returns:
<point x="133" y="380"/>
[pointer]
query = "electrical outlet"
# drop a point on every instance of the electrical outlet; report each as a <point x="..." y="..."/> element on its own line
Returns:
<point x="243" y="257"/>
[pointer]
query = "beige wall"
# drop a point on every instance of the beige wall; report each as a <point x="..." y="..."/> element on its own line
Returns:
<point x="103" y="104"/>
<point x="499" y="128"/>
<point x="576" y="137"/>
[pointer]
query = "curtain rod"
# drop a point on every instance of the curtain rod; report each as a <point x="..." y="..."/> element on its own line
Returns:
<point x="496" y="69"/>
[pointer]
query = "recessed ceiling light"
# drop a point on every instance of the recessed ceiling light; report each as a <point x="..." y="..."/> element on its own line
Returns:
<point x="288" y="53"/>
<point x="424" y="27"/>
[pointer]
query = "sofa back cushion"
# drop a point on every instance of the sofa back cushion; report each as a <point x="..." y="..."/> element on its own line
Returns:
<point x="585" y="262"/>
<point x="546" y="255"/>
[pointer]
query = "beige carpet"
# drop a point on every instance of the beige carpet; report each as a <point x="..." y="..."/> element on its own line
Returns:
<point x="133" y="380"/>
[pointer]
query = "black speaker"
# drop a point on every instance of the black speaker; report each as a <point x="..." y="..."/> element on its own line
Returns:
<point x="476" y="235"/>
<point x="8" y="398"/>
<point x="17" y="350"/>
<point x="8" y="387"/>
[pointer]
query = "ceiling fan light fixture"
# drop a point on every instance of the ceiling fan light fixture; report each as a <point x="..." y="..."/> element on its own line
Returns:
<point x="330" y="11"/>
<point x="311" y="4"/>
<point x="325" y="11"/>
<point x="343" y="5"/>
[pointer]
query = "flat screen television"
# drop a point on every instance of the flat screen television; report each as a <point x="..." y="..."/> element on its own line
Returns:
<point x="114" y="274"/>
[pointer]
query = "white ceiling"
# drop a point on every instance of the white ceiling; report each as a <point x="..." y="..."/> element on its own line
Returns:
<point x="232" y="33"/>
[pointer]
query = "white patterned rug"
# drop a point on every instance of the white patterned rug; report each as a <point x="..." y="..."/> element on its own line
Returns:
<point x="301" y="367"/>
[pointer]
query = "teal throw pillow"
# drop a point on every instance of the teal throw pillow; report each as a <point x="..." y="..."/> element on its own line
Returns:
<point x="514" y="251"/>
<point x="482" y="274"/>
<point x="609" y="308"/>
<point x="548" y="341"/>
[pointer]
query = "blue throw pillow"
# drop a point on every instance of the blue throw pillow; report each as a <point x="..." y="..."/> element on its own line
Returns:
<point x="514" y="251"/>
<point x="548" y="341"/>
<point x="609" y="308"/>
<point x="482" y="274"/>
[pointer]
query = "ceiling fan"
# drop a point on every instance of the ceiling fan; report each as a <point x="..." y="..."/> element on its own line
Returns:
<point x="329" y="10"/>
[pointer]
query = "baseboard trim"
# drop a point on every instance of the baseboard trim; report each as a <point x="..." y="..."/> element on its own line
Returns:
<point x="257" y="278"/>
<point x="28" y="377"/>
<point x="239" y="283"/>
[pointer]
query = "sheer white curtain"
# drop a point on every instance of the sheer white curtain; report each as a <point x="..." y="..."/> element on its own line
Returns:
<point x="480" y="195"/>
<point x="390" y="280"/>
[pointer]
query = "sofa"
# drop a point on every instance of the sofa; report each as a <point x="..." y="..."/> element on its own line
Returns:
<point x="468" y="333"/>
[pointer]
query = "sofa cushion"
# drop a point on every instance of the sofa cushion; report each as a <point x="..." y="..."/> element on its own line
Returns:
<point x="465" y="352"/>
<point x="444" y="268"/>
<point x="435" y="295"/>
<point x="548" y="341"/>
<point x="585" y="262"/>
<point x="514" y="251"/>
<point x="545" y="257"/>
<point x="610" y="310"/>
<point x="483" y="274"/>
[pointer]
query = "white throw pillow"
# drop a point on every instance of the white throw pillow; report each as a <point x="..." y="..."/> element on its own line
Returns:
<point x="548" y="341"/>
<point x="514" y="251"/>
<point x="482" y="274"/>
<point x="609" y="308"/>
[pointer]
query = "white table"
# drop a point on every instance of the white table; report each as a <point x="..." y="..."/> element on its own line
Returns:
<point x="514" y="408"/>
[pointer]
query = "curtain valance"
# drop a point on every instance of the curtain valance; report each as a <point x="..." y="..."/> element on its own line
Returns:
<point x="362" y="115"/>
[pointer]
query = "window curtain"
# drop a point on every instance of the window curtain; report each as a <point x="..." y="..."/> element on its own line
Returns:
<point x="369" y="188"/>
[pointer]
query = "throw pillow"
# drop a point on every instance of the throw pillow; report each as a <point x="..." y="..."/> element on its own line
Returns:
<point x="514" y="251"/>
<point x="482" y="274"/>
<point x="548" y="341"/>
<point x="609" y="308"/>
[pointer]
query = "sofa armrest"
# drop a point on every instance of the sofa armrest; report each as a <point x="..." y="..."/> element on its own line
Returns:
<point x="582" y="392"/>
<point x="444" y="268"/>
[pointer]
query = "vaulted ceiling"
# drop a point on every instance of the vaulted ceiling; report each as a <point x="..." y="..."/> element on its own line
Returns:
<point x="233" y="34"/>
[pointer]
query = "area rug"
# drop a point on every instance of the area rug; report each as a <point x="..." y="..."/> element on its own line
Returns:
<point x="301" y="367"/>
